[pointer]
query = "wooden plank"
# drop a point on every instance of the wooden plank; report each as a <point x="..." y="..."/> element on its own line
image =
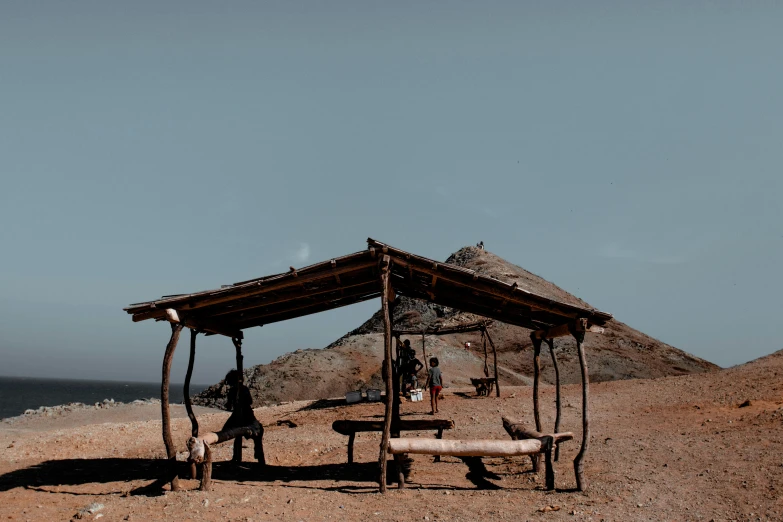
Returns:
<point x="471" y="327"/>
<point x="308" y="295"/>
<point x="200" y="300"/>
<point x="465" y="448"/>
<point x="366" y="294"/>
<point x="346" y="427"/>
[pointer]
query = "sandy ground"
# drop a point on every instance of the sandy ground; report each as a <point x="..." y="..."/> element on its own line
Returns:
<point x="675" y="448"/>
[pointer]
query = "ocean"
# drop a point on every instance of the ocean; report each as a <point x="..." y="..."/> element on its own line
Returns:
<point x="18" y="394"/>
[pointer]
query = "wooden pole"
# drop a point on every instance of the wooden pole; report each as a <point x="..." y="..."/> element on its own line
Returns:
<point x="237" y="406"/>
<point x="171" y="451"/>
<point x="486" y="357"/>
<point x="206" y="473"/>
<point x="551" y="343"/>
<point x="465" y="448"/>
<point x="424" y="351"/>
<point x="536" y="380"/>
<point x="581" y="483"/>
<point x="186" y="393"/>
<point x="495" y="361"/>
<point x="387" y="349"/>
<point x="395" y="427"/>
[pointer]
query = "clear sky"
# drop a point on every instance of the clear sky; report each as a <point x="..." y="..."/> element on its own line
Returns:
<point x="629" y="152"/>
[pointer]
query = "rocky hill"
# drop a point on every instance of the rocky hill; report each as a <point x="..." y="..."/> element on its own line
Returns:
<point x="353" y="361"/>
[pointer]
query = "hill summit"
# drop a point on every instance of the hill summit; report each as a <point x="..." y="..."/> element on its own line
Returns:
<point x="353" y="361"/>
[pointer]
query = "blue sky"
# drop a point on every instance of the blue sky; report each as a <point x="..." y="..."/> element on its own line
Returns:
<point x="628" y="152"/>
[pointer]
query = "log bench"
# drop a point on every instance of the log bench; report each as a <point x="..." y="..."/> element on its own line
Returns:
<point x="352" y="427"/>
<point x="518" y="431"/>
<point x="524" y="442"/>
<point x="484" y="385"/>
<point x="461" y="448"/>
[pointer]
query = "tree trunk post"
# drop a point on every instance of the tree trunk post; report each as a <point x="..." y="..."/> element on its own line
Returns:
<point x="551" y="343"/>
<point x="536" y="380"/>
<point x="579" y="471"/>
<point x="171" y="451"/>
<point x="237" y="406"/>
<point x="486" y="357"/>
<point x="395" y="427"/>
<point x="186" y="393"/>
<point x="387" y="349"/>
<point x="206" y="470"/>
<point x="550" y="469"/>
<point x="424" y="350"/>
<point x="495" y="362"/>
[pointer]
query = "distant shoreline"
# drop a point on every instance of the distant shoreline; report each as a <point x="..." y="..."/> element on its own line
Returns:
<point x="20" y="394"/>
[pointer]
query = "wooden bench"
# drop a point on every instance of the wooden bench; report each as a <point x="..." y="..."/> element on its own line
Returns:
<point x="524" y="442"/>
<point x="484" y="385"/>
<point x="549" y="441"/>
<point x="352" y="427"/>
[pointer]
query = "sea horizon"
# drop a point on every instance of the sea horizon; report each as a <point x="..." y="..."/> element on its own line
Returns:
<point x="18" y="394"/>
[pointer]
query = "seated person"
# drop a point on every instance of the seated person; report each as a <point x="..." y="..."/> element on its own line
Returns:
<point x="240" y="404"/>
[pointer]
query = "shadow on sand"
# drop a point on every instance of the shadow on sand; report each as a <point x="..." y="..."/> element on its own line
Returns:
<point x="75" y="472"/>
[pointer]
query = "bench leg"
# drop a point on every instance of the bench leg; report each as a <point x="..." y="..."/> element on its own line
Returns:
<point x="398" y="461"/>
<point x="351" y="438"/>
<point x="535" y="459"/>
<point x="438" y="436"/>
<point x="550" y="470"/>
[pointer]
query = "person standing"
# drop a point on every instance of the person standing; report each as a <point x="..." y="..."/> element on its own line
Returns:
<point x="434" y="383"/>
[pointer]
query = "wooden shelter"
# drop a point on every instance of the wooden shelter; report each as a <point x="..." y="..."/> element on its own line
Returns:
<point x="379" y="271"/>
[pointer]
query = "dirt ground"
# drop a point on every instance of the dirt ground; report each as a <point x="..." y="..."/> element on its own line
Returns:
<point x="674" y="448"/>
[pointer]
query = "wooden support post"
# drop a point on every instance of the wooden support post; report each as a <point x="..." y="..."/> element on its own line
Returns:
<point x="438" y="436"/>
<point x="351" y="440"/>
<point x="486" y="357"/>
<point x="398" y="462"/>
<point x="550" y="468"/>
<point x="551" y="343"/>
<point x="171" y="451"/>
<point x="395" y="427"/>
<point x="237" y="406"/>
<point x="495" y="362"/>
<point x="424" y="351"/>
<point x="206" y="470"/>
<point x="387" y="349"/>
<point x="186" y="393"/>
<point x="536" y="459"/>
<point x="579" y="466"/>
<point x="536" y="380"/>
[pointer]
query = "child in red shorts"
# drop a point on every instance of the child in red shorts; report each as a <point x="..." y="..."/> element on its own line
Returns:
<point x="435" y="383"/>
